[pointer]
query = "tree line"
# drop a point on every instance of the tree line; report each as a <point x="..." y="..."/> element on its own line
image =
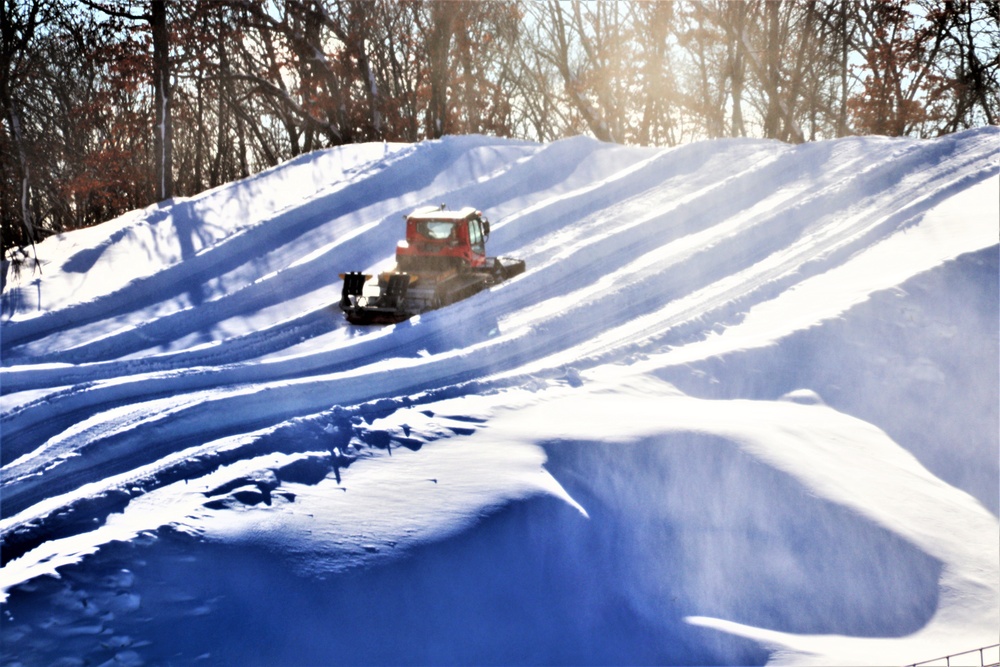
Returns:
<point x="111" y="105"/>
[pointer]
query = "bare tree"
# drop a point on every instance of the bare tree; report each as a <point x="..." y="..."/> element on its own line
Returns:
<point x="111" y="104"/>
<point x="438" y="32"/>
<point x="156" y="16"/>
<point x="653" y="23"/>
<point x="18" y="25"/>
<point x="970" y="62"/>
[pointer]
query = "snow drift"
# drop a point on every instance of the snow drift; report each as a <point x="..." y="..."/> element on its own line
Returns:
<point x="741" y="408"/>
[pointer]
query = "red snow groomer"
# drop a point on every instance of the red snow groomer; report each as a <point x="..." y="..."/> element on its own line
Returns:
<point x="441" y="261"/>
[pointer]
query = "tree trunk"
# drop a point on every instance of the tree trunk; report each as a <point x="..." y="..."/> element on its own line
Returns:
<point x="772" y="121"/>
<point x="162" y="131"/>
<point x="737" y="66"/>
<point x="11" y="43"/>
<point x="442" y="29"/>
<point x="844" y="36"/>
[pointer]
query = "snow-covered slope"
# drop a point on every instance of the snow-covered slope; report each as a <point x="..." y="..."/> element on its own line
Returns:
<point x="742" y="407"/>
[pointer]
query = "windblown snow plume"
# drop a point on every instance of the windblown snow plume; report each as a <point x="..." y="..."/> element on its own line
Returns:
<point x="741" y="408"/>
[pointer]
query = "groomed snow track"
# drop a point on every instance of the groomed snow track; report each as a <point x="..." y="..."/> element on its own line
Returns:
<point x="188" y="343"/>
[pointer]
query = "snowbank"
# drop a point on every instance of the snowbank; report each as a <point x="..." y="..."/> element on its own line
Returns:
<point x="742" y="407"/>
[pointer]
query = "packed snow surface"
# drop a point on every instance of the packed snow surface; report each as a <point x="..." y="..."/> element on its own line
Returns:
<point x="742" y="407"/>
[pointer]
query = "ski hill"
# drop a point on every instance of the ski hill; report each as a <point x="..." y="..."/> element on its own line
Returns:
<point x="742" y="408"/>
